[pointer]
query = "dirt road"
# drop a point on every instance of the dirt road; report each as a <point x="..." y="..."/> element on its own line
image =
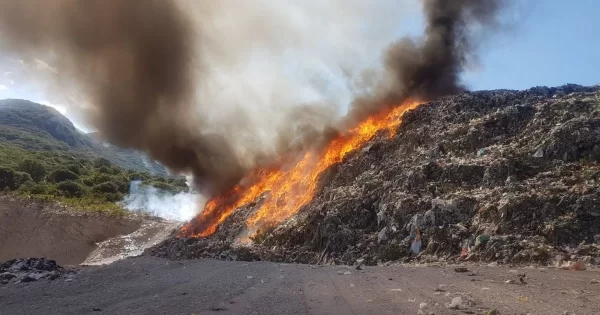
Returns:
<point x="150" y="285"/>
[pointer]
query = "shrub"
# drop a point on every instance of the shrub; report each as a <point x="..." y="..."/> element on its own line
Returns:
<point x="36" y="188"/>
<point x="102" y="178"/>
<point x="100" y="162"/>
<point x="22" y="178"/>
<point x="74" y="168"/>
<point x="180" y="182"/>
<point x="106" y="188"/>
<point x="163" y="186"/>
<point x="35" y="169"/>
<point x="71" y="188"/>
<point x="62" y="175"/>
<point x="138" y="176"/>
<point x="105" y="170"/>
<point x="8" y="180"/>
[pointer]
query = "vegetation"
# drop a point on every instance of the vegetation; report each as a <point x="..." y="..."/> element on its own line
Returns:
<point x="41" y="128"/>
<point x="89" y="183"/>
<point x="43" y="156"/>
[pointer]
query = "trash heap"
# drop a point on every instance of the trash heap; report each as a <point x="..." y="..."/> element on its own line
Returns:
<point x="505" y="176"/>
<point x="25" y="270"/>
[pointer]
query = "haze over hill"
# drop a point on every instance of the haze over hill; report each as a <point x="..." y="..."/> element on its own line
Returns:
<point x="33" y="126"/>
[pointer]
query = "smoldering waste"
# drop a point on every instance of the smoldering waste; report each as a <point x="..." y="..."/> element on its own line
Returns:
<point x="506" y="176"/>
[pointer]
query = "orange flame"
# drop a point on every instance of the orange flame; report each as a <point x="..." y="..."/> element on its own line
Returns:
<point x="291" y="189"/>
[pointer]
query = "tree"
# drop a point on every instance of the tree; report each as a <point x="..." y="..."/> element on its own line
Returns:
<point x="36" y="169"/>
<point x="62" y="175"/>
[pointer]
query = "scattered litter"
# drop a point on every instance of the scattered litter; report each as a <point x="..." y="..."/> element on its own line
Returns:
<point x="578" y="266"/>
<point x="352" y="285"/>
<point x="509" y="281"/>
<point x="456" y="303"/>
<point x="412" y="300"/>
<point x="522" y="280"/>
<point x="249" y="277"/>
<point x="396" y="290"/>
<point x="347" y="273"/>
<point x="423" y="305"/>
<point x="360" y="263"/>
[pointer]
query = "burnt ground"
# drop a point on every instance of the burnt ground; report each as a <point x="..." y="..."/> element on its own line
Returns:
<point x="151" y="285"/>
<point x="508" y="176"/>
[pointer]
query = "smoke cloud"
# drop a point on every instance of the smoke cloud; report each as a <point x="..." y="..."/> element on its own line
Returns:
<point x="175" y="207"/>
<point x="215" y="88"/>
<point x="429" y="67"/>
<point x="212" y="88"/>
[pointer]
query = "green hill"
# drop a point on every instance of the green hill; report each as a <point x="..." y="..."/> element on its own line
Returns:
<point x="43" y="156"/>
<point x="34" y="126"/>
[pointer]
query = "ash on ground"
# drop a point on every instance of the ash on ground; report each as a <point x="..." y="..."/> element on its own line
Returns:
<point x="31" y="269"/>
<point x="505" y="176"/>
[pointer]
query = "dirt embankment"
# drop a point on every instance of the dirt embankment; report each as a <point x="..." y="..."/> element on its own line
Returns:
<point x="37" y="229"/>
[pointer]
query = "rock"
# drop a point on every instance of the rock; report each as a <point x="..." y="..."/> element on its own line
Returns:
<point x="594" y="281"/>
<point x="461" y="269"/>
<point x="509" y="281"/>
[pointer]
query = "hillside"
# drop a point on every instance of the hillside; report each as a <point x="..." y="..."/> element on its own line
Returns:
<point x="507" y="176"/>
<point x="43" y="156"/>
<point x="37" y="127"/>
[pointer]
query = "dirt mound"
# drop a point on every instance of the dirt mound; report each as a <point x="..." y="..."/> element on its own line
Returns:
<point x="508" y="176"/>
<point x="37" y="229"/>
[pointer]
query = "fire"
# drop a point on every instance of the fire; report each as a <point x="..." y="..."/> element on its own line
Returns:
<point x="290" y="189"/>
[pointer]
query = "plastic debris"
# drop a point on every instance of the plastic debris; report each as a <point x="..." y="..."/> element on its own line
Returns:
<point x="456" y="303"/>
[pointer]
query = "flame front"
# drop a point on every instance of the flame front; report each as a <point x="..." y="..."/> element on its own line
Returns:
<point x="290" y="189"/>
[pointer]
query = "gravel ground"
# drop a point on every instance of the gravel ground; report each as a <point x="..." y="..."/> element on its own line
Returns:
<point x="151" y="285"/>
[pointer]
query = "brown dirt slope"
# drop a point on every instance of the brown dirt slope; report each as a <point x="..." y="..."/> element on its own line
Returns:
<point x="35" y="229"/>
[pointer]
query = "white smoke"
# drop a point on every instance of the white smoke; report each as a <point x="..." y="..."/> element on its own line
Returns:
<point x="181" y="207"/>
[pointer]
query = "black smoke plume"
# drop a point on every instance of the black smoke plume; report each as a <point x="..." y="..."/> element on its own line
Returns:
<point x="135" y="61"/>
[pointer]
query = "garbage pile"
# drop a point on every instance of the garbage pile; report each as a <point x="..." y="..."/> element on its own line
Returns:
<point x="25" y="270"/>
<point x="505" y="176"/>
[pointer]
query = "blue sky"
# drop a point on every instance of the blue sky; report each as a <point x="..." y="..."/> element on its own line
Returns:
<point x="557" y="42"/>
<point x="554" y="42"/>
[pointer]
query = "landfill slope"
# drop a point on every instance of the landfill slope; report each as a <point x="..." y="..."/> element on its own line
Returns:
<point x="507" y="176"/>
